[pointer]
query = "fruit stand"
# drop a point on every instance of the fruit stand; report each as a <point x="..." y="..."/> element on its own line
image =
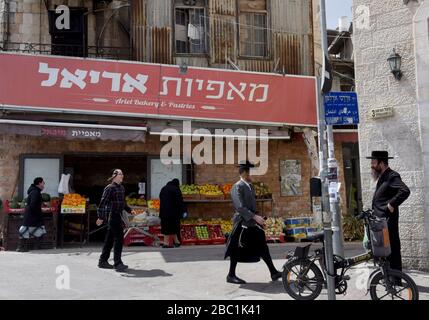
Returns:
<point x="73" y="219"/>
<point x="14" y="215"/>
<point x="200" y="231"/>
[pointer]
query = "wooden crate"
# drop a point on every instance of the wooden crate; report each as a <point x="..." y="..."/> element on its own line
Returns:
<point x="11" y="233"/>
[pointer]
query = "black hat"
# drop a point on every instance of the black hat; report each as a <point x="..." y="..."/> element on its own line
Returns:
<point x="379" y="155"/>
<point x="246" y="164"/>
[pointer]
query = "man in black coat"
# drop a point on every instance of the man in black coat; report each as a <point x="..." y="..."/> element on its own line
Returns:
<point x="247" y="242"/>
<point x="390" y="193"/>
<point x="171" y="211"/>
<point x="32" y="226"/>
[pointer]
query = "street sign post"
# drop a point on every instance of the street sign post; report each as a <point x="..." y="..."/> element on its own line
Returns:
<point x="341" y="108"/>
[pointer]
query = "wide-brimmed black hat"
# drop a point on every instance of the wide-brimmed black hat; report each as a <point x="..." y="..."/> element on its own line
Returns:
<point x="246" y="164"/>
<point x="379" y="155"/>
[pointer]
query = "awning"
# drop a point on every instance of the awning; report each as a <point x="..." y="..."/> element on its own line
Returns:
<point x="221" y="133"/>
<point x="73" y="131"/>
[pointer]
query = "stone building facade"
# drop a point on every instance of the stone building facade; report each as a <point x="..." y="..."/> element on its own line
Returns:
<point x="380" y="26"/>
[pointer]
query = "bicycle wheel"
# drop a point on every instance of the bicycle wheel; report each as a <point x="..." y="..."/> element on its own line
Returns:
<point x="302" y="279"/>
<point x="405" y="289"/>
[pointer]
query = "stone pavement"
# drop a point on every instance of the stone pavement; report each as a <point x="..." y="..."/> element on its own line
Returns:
<point x="190" y="273"/>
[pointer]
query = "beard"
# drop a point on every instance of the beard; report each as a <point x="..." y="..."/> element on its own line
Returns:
<point x="375" y="174"/>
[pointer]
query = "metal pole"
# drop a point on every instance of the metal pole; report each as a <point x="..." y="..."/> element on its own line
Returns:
<point x="332" y="162"/>
<point x="327" y="226"/>
<point x="334" y="199"/>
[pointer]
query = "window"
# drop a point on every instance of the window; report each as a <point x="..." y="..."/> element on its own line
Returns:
<point x="73" y="41"/>
<point x="253" y="26"/>
<point x="190" y="30"/>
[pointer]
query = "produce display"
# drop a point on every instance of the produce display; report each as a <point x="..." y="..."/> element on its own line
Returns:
<point x="154" y="204"/>
<point x="73" y="200"/>
<point x="210" y="190"/>
<point x="17" y="206"/>
<point x="73" y="203"/>
<point x="274" y="227"/>
<point x="202" y="232"/>
<point x="189" y="189"/>
<point x="226" y="188"/>
<point x="135" y="202"/>
<point x="226" y="225"/>
<point x="262" y="190"/>
<point x="187" y="233"/>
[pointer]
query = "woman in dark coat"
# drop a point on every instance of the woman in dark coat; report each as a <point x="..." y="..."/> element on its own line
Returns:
<point x="171" y="211"/>
<point x="33" y="219"/>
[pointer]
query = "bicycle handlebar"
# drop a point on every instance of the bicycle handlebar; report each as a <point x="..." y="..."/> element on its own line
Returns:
<point x="365" y="214"/>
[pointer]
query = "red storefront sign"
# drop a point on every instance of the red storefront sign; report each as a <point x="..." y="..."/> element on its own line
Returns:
<point x="151" y="90"/>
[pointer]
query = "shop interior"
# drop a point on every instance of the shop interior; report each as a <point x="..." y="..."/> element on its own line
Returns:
<point x="89" y="177"/>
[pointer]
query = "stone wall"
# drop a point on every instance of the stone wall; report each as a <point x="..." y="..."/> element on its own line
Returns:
<point x="390" y="25"/>
<point x="29" y="22"/>
<point x="421" y="33"/>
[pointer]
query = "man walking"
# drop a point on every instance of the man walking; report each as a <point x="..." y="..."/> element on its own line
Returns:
<point x="32" y="226"/>
<point x="110" y="210"/>
<point x="247" y="242"/>
<point x="390" y="193"/>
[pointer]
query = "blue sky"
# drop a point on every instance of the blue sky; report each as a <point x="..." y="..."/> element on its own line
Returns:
<point x="335" y="9"/>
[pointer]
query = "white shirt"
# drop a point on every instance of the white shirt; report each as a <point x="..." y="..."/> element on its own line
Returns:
<point x="246" y="183"/>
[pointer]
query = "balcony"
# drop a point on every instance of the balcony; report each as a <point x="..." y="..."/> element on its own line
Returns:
<point x="111" y="53"/>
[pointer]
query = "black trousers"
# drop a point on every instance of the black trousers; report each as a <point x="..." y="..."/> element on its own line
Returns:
<point x="395" y="258"/>
<point x="114" y="236"/>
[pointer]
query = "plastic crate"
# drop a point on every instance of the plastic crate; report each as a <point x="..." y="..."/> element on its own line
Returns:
<point x="187" y="232"/>
<point x="297" y="222"/>
<point x="297" y="233"/>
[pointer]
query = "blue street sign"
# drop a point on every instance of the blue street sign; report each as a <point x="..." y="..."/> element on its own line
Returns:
<point x="341" y="108"/>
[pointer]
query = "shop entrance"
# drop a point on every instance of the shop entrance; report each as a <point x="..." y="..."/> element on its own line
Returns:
<point x="89" y="174"/>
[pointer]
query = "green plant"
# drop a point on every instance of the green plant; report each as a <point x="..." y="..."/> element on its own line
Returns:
<point x="353" y="229"/>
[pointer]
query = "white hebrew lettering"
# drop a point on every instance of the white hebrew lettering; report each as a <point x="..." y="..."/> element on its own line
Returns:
<point x="189" y="90"/>
<point x="138" y="83"/>
<point x="210" y="87"/>
<point x="238" y="92"/>
<point x="116" y="80"/>
<point x="165" y="85"/>
<point x="77" y="78"/>
<point x="52" y="72"/>
<point x="200" y="84"/>
<point x="95" y="76"/>
<point x="256" y="87"/>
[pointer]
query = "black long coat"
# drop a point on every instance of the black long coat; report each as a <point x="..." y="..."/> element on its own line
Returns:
<point x="33" y="211"/>
<point x="251" y="236"/>
<point x="391" y="190"/>
<point x="171" y="209"/>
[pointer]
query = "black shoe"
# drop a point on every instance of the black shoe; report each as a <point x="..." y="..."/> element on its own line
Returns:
<point x="104" y="265"/>
<point x="235" y="280"/>
<point x="121" y="267"/>
<point x="22" y="246"/>
<point x="177" y="245"/>
<point x="166" y="246"/>
<point x="276" y="276"/>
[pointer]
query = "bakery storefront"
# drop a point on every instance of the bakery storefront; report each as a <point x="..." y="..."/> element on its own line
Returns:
<point x="71" y="121"/>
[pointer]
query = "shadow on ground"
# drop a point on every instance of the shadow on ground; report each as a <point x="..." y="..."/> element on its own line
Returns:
<point x="191" y="253"/>
<point x="134" y="273"/>
<point x="423" y="289"/>
<point x="269" y="287"/>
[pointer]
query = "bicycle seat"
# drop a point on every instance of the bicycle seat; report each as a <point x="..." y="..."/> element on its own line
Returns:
<point x="317" y="236"/>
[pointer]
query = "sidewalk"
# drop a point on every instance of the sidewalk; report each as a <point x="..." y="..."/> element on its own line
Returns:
<point x="190" y="273"/>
